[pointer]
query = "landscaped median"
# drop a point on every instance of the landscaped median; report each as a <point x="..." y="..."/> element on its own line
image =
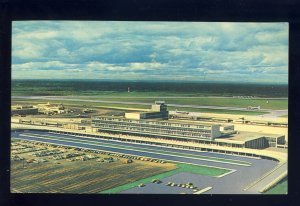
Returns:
<point x="91" y="140"/>
<point x="202" y="170"/>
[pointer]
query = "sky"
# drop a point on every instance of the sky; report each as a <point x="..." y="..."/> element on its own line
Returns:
<point x="172" y="51"/>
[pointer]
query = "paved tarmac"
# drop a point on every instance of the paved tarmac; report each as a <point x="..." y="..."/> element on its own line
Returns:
<point x="140" y="103"/>
<point x="229" y="184"/>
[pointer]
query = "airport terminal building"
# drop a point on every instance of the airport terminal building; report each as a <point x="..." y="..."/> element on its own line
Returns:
<point x="157" y="128"/>
<point x="158" y="111"/>
<point x="154" y="124"/>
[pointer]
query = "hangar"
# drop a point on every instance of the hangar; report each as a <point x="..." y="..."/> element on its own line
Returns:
<point x="23" y="110"/>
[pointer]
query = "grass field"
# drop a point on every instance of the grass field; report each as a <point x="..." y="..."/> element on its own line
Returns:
<point x="280" y="188"/>
<point x="200" y="101"/>
<point x="117" y="88"/>
<point x="180" y="168"/>
<point x="218" y="111"/>
<point x="137" y="106"/>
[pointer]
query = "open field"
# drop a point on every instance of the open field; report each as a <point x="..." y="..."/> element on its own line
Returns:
<point x="203" y="94"/>
<point x="197" y="101"/>
<point x="135" y="106"/>
<point x="144" y="89"/>
<point x="219" y="111"/>
<point x="76" y="176"/>
<point x="88" y="104"/>
<point x="207" y="101"/>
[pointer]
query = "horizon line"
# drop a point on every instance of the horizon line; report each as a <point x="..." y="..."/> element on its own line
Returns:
<point x="171" y="81"/>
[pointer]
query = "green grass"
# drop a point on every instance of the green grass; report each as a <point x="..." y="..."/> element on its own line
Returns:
<point x="138" y="106"/>
<point x="150" y="97"/>
<point x="80" y="103"/>
<point x="111" y="94"/>
<point x="200" y="101"/>
<point x="222" y="102"/>
<point x="218" y="111"/>
<point x="202" y="170"/>
<point x="280" y="188"/>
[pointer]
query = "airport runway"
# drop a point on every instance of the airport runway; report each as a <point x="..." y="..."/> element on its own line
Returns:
<point x="139" y="103"/>
<point x="275" y="114"/>
<point x="242" y="177"/>
<point x="170" y="97"/>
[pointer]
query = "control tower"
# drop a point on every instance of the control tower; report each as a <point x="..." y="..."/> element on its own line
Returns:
<point x="158" y="110"/>
<point x="159" y="106"/>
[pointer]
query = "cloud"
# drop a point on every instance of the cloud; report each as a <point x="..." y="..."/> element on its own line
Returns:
<point x="150" y="50"/>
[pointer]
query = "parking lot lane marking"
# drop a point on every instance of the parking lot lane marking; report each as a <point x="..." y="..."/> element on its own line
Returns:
<point x="202" y="191"/>
<point x="227" y="173"/>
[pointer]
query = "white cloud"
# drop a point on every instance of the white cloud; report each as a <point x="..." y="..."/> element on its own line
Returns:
<point x="44" y="35"/>
<point x="155" y="49"/>
<point x="57" y="65"/>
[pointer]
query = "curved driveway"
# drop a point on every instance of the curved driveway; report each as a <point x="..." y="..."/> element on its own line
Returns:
<point x="242" y="177"/>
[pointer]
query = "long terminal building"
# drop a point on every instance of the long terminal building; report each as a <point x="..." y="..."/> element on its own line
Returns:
<point x="154" y="124"/>
<point x="156" y="128"/>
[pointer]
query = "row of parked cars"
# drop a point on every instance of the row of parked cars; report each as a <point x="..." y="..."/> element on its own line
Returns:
<point x="130" y="157"/>
<point x="188" y="185"/>
<point x="22" y="150"/>
<point x="57" y="154"/>
<point x="47" y="152"/>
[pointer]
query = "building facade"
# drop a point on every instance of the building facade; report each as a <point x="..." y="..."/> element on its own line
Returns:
<point x="156" y="128"/>
<point x="159" y="110"/>
<point x="23" y="110"/>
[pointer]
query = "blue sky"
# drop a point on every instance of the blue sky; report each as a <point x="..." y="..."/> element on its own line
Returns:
<point x="181" y="51"/>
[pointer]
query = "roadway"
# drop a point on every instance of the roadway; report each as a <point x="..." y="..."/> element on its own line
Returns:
<point x="281" y="156"/>
<point x="265" y="180"/>
<point x="244" y="174"/>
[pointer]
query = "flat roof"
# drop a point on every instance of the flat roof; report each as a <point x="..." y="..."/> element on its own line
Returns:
<point x="242" y="137"/>
<point x="161" y="135"/>
<point x="193" y="122"/>
<point x="150" y="112"/>
<point x="163" y="121"/>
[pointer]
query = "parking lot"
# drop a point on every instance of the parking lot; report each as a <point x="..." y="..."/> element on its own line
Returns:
<point x="232" y="183"/>
<point x="43" y="167"/>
